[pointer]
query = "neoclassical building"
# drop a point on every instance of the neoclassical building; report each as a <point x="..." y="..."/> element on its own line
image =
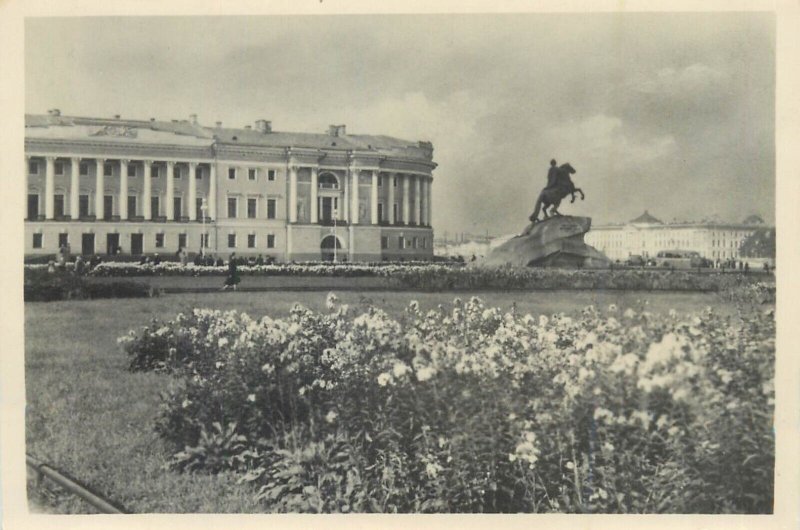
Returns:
<point x="646" y="236"/>
<point x="137" y="187"/>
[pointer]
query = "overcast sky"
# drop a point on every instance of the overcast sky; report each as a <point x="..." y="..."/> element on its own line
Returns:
<point x="673" y="113"/>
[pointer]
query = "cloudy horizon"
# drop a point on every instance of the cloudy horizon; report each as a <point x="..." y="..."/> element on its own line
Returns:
<point x="670" y="113"/>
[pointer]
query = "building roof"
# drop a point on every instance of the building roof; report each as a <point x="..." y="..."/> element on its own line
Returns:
<point x="646" y="218"/>
<point x="186" y="132"/>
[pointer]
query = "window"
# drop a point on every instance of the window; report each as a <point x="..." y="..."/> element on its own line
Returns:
<point x="131" y="170"/>
<point x="33" y="167"/>
<point x="63" y="239"/>
<point x="380" y="212"/>
<point x="108" y="207"/>
<point x="384" y="242"/>
<point x="232" y="207"/>
<point x="271" y="206"/>
<point x="251" y="241"/>
<point x="251" y="208"/>
<point x="33" y="206"/>
<point x="108" y="170"/>
<point x="83" y="206"/>
<point x="271" y="175"/>
<point x="231" y="173"/>
<point x="394" y="209"/>
<point x="198" y="173"/>
<point x="181" y="240"/>
<point x="155" y="172"/>
<point x="176" y="172"/>
<point x="58" y="205"/>
<point x="198" y="207"/>
<point x="37" y="240"/>
<point x="59" y="168"/>
<point x="132" y="206"/>
<point x="380" y="181"/>
<point x="231" y="240"/>
<point x="177" y="209"/>
<point x="424" y="243"/>
<point x="414" y="242"/>
<point x="159" y="240"/>
<point x="251" y="174"/>
<point x="83" y="169"/>
<point x="401" y="242"/>
<point x="270" y="241"/>
<point x="394" y="183"/>
<point x="203" y="240"/>
<point x="154" y="205"/>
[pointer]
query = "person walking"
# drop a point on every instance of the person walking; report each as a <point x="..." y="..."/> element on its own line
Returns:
<point x="233" y="278"/>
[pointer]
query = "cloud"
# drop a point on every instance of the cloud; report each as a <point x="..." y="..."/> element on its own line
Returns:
<point x="695" y="80"/>
<point x="602" y="137"/>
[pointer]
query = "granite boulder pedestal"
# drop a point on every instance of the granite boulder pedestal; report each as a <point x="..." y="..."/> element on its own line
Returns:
<point x="554" y="242"/>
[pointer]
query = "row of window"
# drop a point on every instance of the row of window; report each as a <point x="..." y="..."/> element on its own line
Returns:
<point x="405" y="242"/>
<point x="160" y="241"/>
<point x="155" y="205"/>
<point x="59" y="168"/>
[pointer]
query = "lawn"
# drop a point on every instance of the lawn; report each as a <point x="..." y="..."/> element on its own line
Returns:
<point x="88" y="416"/>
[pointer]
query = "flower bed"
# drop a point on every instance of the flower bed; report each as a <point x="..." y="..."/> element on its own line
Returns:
<point x="426" y="276"/>
<point x="43" y="286"/>
<point x="467" y="409"/>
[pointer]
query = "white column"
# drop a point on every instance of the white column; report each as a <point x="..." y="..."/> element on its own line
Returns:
<point x="170" y="206"/>
<point x="98" y="188"/>
<point x="293" y="193"/>
<point x="147" y="194"/>
<point x="344" y="209"/>
<point x="314" y="199"/>
<point x="123" y="190"/>
<point x="423" y="199"/>
<point x="74" y="187"/>
<point x="390" y="206"/>
<point x="429" y="196"/>
<point x="212" y="191"/>
<point x="406" y="202"/>
<point x="49" y="187"/>
<point x="417" y="199"/>
<point x="192" y="192"/>
<point x="354" y="172"/>
<point x="373" y="202"/>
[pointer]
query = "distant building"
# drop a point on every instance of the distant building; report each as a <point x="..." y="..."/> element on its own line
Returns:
<point x="646" y="236"/>
<point x="144" y="186"/>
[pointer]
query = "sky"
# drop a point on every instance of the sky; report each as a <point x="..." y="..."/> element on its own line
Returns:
<point x="670" y="113"/>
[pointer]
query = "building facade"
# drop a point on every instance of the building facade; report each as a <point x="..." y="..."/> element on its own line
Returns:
<point x="646" y="236"/>
<point x="117" y="186"/>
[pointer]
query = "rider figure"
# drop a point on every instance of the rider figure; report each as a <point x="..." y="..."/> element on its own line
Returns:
<point x="552" y="174"/>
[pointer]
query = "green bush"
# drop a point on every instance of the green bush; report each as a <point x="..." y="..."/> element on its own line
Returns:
<point x="43" y="286"/>
<point x="468" y="409"/>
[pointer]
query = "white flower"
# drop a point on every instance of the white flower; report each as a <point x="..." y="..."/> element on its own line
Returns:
<point x="222" y="342"/>
<point x="251" y="398"/>
<point x="384" y="379"/>
<point x="433" y="469"/>
<point x="399" y="369"/>
<point x="425" y="373"/>
<point x="331" y="416"/>
<point x="331" y="300"/>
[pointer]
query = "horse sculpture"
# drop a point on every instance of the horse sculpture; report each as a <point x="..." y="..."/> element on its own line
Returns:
<point x="551" y="197"/>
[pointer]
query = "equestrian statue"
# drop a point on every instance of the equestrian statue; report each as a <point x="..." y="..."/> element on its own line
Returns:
<point x="559" y="185"/>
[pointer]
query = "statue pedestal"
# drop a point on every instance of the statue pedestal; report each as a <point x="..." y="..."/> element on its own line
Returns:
<point x="554" y="242"/>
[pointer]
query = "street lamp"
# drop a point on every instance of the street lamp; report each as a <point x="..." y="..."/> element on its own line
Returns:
<point x="203" y="210"/>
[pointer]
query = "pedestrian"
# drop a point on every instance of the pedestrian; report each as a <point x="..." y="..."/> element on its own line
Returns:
<point x="746" y="267"/>
<point x="233" y="278"/>
<point x="79" y="265"/>
<point x="156" y="259"/>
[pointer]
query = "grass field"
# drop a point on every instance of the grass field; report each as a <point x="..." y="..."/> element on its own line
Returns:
<point x="88" y="416"/>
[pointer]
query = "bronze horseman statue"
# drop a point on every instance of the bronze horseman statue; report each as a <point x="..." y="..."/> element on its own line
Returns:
<point x="559" y="185"/>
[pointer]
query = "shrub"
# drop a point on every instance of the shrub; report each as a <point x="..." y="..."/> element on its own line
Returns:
<point x="43" y="286"/>
<point x="467" y="409"/>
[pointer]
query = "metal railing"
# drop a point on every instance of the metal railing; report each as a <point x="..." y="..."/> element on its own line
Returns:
<point x="101" y="504"/>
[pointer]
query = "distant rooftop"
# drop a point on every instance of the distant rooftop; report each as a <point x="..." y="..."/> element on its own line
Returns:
<point x="646" y="218"/>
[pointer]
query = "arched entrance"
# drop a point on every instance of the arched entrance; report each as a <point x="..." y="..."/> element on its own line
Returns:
<point x="331" y="248"/>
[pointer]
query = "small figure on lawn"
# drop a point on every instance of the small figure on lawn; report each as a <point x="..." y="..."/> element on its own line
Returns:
<point x="233" y="278"/>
